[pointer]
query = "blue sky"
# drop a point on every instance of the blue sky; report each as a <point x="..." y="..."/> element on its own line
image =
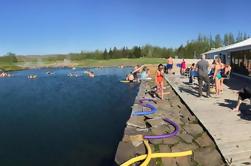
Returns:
<point x="63" y="26"/>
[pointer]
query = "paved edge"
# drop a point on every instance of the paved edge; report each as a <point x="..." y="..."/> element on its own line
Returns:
<point x="175" y="88"/>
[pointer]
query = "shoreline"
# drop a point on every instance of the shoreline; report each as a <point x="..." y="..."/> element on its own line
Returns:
<point x="192" y="136"/>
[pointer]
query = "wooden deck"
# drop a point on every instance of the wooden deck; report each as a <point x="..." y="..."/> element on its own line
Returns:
<point x="230" y="130"/>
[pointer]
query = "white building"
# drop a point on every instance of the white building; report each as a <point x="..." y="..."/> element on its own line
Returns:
<point x="238" y="55"/>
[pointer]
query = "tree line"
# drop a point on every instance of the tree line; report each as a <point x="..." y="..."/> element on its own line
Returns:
<point x="192" y="49"/>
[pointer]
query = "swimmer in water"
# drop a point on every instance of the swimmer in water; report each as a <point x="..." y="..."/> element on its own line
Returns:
<point x="134" y="74"/>
<point x="90" y="74"/>
<point x="130" y="77"/>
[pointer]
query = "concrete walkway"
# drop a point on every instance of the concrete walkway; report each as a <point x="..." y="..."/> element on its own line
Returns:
<point x="230" y="130"/>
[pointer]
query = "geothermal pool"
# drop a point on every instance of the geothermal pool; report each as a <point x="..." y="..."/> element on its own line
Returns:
<point x="56" y="120"/>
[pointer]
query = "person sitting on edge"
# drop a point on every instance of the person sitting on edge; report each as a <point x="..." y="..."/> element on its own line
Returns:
<point x="144" y="74"/>
<point x="169" y="64"/>
<point x="159" y="79"/>
<point x="244" y="94"/>
<point x="136" y="71"/>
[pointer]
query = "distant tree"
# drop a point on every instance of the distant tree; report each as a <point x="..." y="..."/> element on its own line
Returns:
<point x="124" y="52"/>
<point x="245" y="36"/>
<point x="229" y="39"/>
<point x="9" y="58"/>
<point x="105" y="54"/>
<point x="136" y="52"/>
<point x="110" y="54"/>
<point x="239" y="37"/>
<point x="211" y="42"/>
<point x="218" y="41"/>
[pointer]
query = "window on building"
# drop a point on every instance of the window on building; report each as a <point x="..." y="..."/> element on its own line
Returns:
<point x="241" y="62"/>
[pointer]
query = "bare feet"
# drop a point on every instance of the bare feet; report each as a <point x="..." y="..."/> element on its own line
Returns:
<point x="236" y="110"/>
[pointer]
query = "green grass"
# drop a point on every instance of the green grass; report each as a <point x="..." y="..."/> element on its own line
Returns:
<point x="10" y="67"/>
<point x="82" y="63"/>
<point x="117" y="62"/>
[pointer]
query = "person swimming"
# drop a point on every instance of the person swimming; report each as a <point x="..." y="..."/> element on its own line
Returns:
<point x="32" y="76"/>
<point x="90" y="74"/>
<point x="50" y="73"/>
<point x="130" y="77"/>
<point x="3" y="74"/>
<point x="133" y="76"/>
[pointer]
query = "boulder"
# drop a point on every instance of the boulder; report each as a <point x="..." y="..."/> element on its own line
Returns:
<point x="165" y="160"/>
<point x="204" y="140"/>
<point x="185" y="161"/>
<point x="156" y="141"/>
<point x="193" y="129"/>
<point x="184" y="147"/>
<point x="186" y="138"/>
<point x="156" y="122"/>
<point x="130" y="130"/>
<point x="126" y="151"/>
<point x="208" y="156"/>
<point x="137" y="121"/>
<point x="171" y="140"/>
<point x="164" y="149"/>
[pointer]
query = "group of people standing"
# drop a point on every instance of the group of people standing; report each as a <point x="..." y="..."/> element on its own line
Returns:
<point x="218" y="72"/>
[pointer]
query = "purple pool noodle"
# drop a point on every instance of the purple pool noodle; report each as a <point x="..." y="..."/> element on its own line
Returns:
<point x="175" y="132"/>
<point x="140" y="113"/>
<point x="153" y="110"/>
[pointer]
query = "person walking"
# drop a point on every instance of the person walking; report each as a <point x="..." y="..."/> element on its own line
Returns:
<point x="202" y="68"/>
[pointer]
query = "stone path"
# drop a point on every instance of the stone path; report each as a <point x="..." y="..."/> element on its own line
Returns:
<point x="190" y="137"/>
<point x="230" y="130"/>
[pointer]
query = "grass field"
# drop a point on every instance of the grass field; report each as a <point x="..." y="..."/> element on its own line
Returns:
<point x="81" y="63"/>
<point x="117" y="62"/>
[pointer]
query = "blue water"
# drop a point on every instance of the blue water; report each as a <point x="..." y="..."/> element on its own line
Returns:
<point x="56" y="120"/>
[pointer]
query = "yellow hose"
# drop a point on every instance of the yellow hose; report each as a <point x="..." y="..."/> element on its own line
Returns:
<point x="149" y="154"/>
<point x="154" y="155"/>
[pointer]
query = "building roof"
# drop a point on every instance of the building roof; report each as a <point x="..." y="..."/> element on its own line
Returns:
<point x="241" y="44"/>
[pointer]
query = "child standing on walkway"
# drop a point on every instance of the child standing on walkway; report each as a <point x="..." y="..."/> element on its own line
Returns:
<point x="159" y="79"/>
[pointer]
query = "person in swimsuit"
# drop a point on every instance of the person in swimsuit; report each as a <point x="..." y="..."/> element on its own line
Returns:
<point x="89" y="74"/>
<point x="169" y="65"/>
<point x="183" y="67"/>
<point x="144" y="75"/>
<point x="159" y="79"/>
<point x="217" y="76"/>
<point x="136" y="71"/>
<point x="244" y="94"/>
<point x="130" y="77"/>
<point x="192" y="73"/>
<point x="222" y="66"/>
